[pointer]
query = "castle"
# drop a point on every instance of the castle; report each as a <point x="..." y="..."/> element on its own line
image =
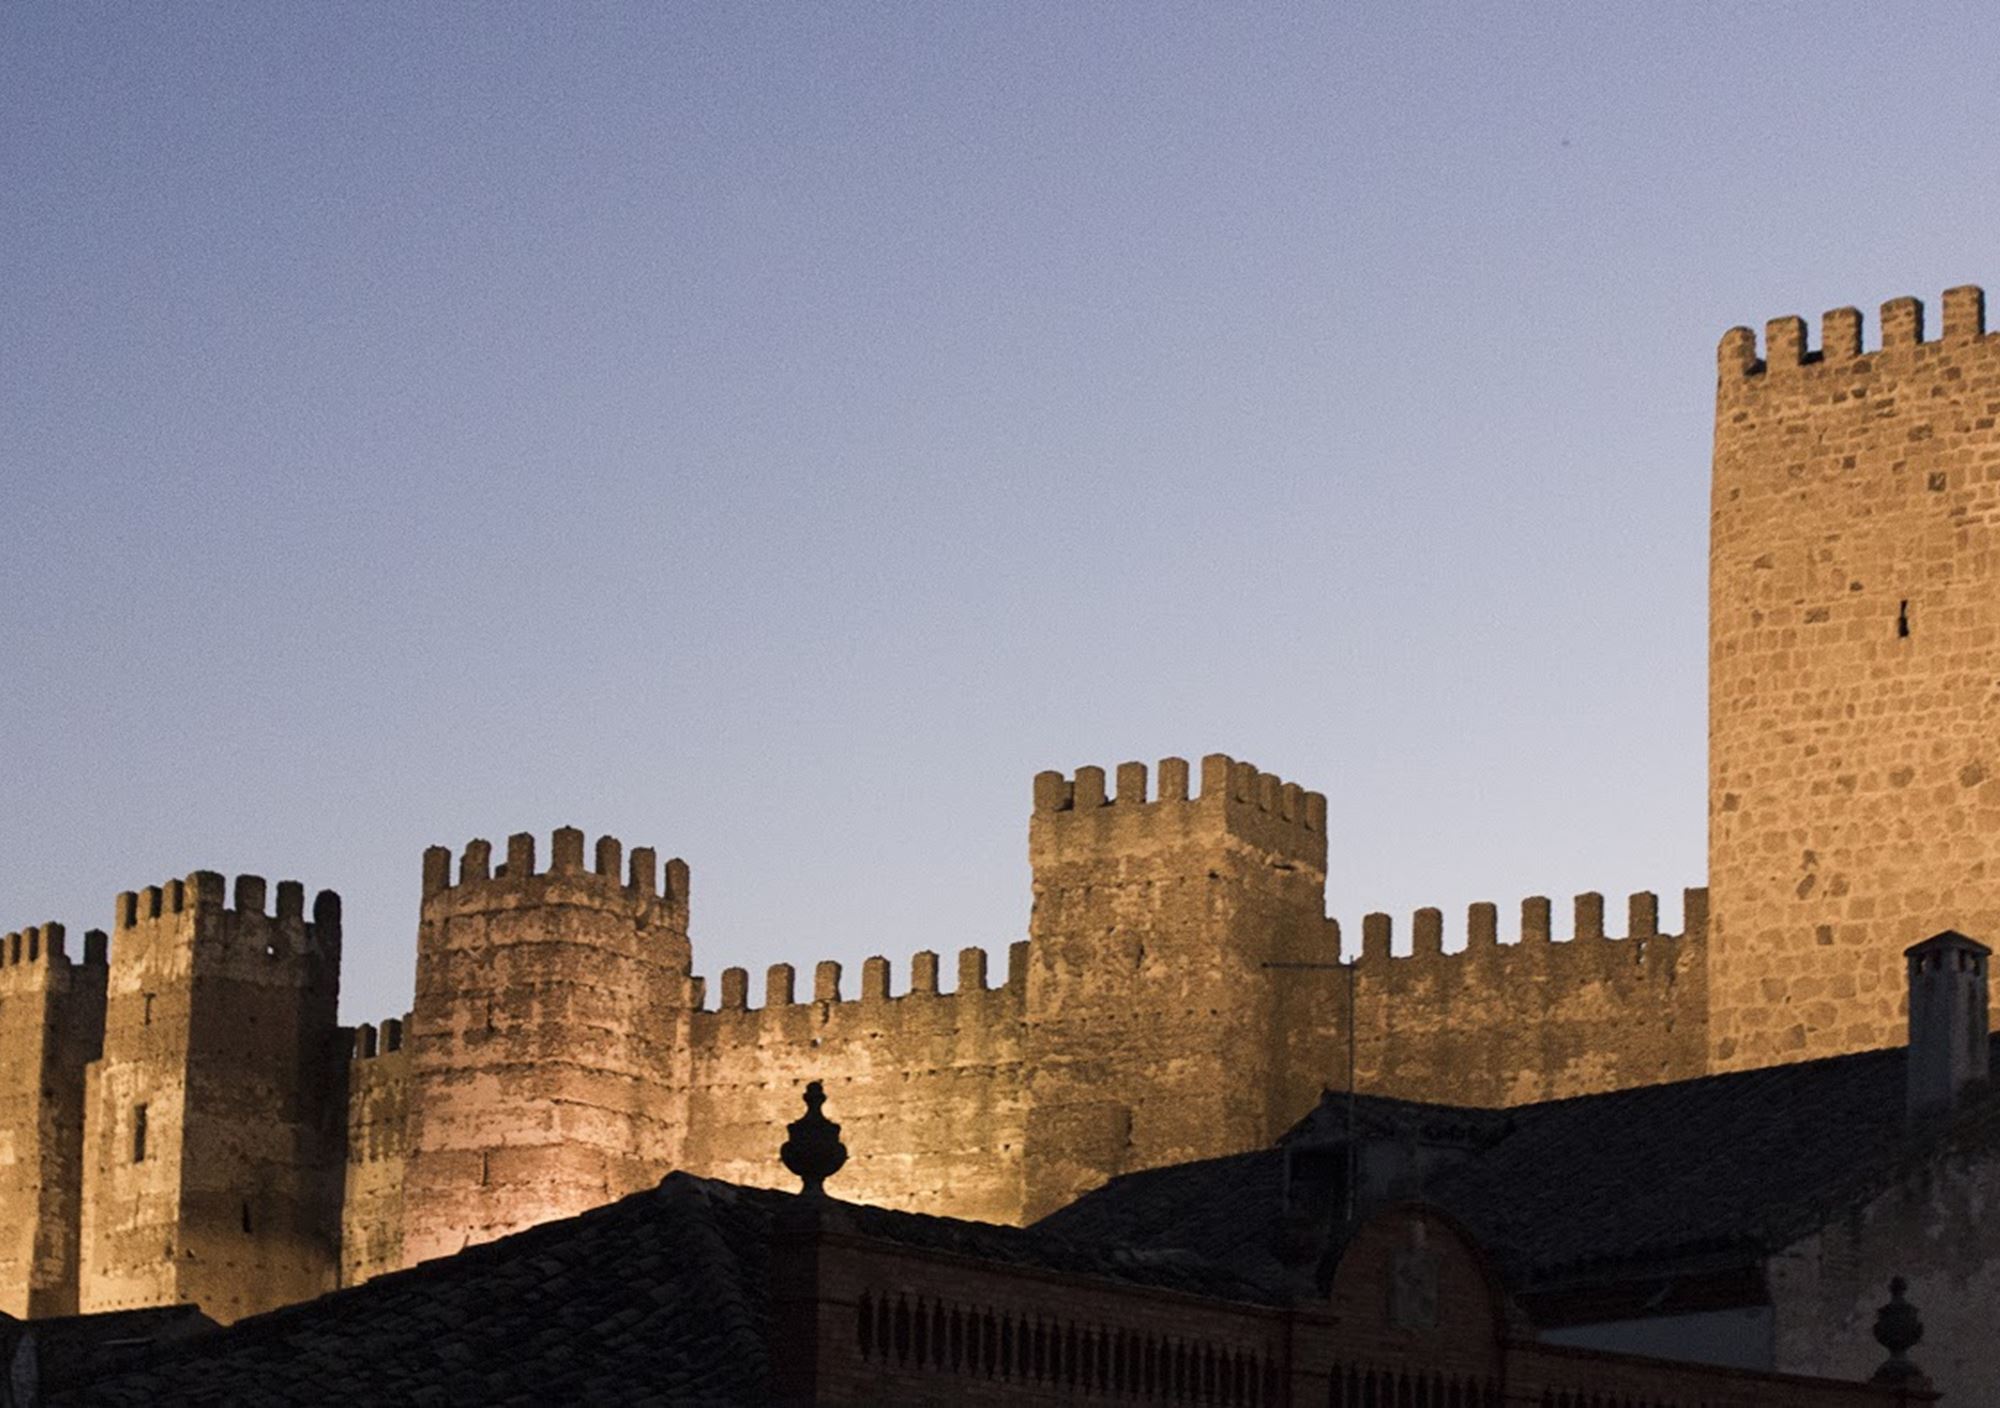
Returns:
<point x="182" y="1119"/>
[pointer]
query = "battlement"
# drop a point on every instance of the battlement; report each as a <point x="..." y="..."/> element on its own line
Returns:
<point x="371" y="1041"/>
<point x="203" y="894"/>
<point x="929" y="1081"/>
<point x="205" y="890"/>
<point x="45" y="947"/>
<point x="781" y="982"/>
<point x="1223" y="780"/>
<point x="1538" y="1018"/>
<point x="483" y="884"/>
<point x="1902" y="330"/>
<point x="1482" y="928"/>
<point x="1235" y="798"/>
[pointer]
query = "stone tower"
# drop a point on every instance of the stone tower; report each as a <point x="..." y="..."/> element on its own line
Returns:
<point x="51" y="1026"/>
<point x="548" y="1043"/>
<point x="1150" y="1018"/>
<point x="1854" y="672"/>
<point x="213" y="1122"/>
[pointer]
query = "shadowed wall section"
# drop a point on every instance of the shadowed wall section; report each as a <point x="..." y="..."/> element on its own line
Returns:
<point x="51" y="1027"/>
<point x="378" y="1112"/>
<point x="214" y="1120"/>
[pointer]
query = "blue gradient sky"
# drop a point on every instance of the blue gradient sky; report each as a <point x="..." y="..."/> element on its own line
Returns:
<point x="773" y="433"/>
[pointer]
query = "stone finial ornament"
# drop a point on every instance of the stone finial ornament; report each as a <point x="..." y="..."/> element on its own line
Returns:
<point x="812" y="1148"/>
<point x="1897" y="1328"/>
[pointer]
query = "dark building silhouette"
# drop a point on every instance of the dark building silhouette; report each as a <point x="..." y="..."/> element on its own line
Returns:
<point x="706" y="1292"/>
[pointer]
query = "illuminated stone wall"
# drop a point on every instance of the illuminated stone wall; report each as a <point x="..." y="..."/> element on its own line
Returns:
<point x="1854" y="672"/>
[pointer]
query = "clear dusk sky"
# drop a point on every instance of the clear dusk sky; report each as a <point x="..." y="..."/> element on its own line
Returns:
<point x="774" y="432"/>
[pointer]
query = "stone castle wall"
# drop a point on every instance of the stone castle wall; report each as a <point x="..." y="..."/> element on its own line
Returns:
<point x="928" y="1085"/>
<point x="377" y="1149"/>
<point x="1854" y="671"/>
<point x="51" y="1026"/>
<point x="1179" y="997"/>
<point x="1538" y="1017"/>
<point x="186" y="1121"/>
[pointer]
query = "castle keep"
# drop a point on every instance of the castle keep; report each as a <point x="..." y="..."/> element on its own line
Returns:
<point x="181" y="1119"/>
<point x="1854" y="671"/>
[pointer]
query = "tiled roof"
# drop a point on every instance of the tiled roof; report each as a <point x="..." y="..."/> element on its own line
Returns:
<point x="1165" y="1268"/>
<point x="65" y="1347"/>
<point x="1752" y="1160"/>
<point x="658" y="1298"/>
<point x="1708" y="1171"/>
<point x="661" y="1297"/>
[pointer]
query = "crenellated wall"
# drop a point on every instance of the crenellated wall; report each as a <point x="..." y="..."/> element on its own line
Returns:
<point x="378" y="1111"/>
<point x="927" y="1084"/>
<point x="51" y="1028"/>
<point x="1541" y="1017"/>
<point x="1176" y="999"/>
<point x="1180" y="995"/>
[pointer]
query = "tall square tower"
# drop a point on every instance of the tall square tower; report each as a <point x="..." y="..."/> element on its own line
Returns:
<point x="213" y="1121"/>
<point x="1854" y="672"/>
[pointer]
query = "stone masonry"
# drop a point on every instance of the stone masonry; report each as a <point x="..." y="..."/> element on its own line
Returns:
<point x="1854" y="672"/>
<point x="182" y="1120"/>
<point x="51" y="1027"/>
<point x="213" y="1117"/>
<point x="549" y="1060"/>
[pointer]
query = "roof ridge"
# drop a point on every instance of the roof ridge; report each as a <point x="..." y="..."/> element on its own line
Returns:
<point x="739" y="1308"/>
<point x="1712" y="1079"/>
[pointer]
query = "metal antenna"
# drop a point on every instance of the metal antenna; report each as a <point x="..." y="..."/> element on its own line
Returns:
<point x="1353" y="1122"/>
<point x="1348" y="966"/>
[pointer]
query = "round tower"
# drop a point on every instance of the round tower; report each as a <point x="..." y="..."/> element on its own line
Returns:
<point x="547" y="1038"/>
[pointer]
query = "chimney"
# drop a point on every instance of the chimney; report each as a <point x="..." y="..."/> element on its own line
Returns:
<point x="1948" y="1026"/>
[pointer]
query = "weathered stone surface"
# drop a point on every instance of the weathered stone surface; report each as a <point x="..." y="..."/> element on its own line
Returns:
<point x="213" y="1122"/>
<point x="51" y="1025"/>
<point x="1854" y="786"/>
<point x="928" y="1086"/>
<point x="1150" y="1009"/>
<point x="548" y="1042"/>
<point x="1507" y="1023"/>
<point x="378" y="1109"/>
